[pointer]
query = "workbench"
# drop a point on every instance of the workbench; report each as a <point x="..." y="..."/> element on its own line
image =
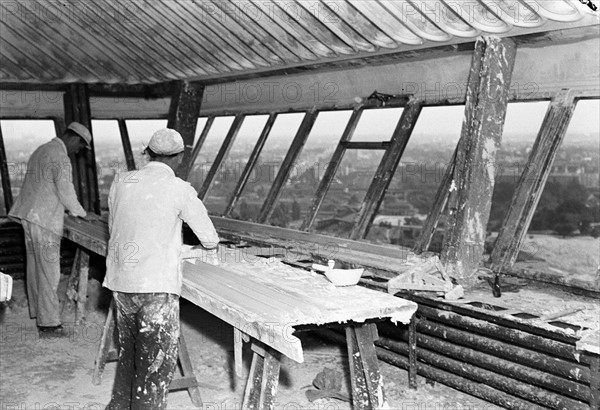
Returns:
<point x="266" y="301"/>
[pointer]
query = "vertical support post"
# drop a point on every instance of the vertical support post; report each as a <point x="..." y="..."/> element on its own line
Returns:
<point x="77" y="108"/>
<point x="412" y="353"/>
<point x="332" y="168"/>
<point x="595" y="382"/>
<point x="129" y="159"/>
<point x="186" y="99"/>
<point x="225" y="147"/>
<point x="387" y="168"/>
<point x="439" y="203"/>
<point x="6" y="187"/>
<point x="532" y="180"/>
<point x="237" y="351"/>
<point x="59" y="126"/>
<point x="286" y="165"/>
<point x="241" y="184"/>
<point x="84" y="268"/>
<point x="485" y="109"/>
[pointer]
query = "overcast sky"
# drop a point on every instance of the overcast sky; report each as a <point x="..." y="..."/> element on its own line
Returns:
<point x="521" y="118"/>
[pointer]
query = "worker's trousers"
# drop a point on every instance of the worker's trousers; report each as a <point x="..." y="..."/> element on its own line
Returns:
<point x="42" y="273"/>
<point x="148" y="335"/>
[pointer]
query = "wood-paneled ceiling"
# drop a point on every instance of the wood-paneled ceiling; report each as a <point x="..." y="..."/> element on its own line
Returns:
<point x="153" y="41"/>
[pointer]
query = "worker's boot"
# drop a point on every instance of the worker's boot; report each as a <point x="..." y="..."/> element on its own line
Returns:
<point x="49" y="332"/>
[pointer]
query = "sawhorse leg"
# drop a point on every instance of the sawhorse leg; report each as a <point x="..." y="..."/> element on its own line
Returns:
<point x="77" y="284"/>
<point x="263" y="378"/>
<point x="187" y="380"/>
<point x="367" y="383"/>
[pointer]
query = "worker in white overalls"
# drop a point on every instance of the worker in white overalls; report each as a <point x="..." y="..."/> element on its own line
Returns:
<point x="146" y="212"/>
<point x="46" y="193"/>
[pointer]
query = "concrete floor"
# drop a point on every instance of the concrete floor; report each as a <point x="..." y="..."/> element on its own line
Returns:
<point x="57" y="374"/>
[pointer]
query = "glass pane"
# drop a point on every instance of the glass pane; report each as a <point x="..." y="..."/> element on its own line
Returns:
<point x="140" y="132"/>
<point x="343" y="200"/>
<point x="199" y="127"/>
<point x="297" y="195"/>
<point x="234" y="163"/>
<point x="208" y="151"/>
<point x="21" y="138"/>
<point x="522" y="124"/>
<point x="266" y="168"/>
<point x="377" y="124"/>
<point x="110" y="156"/>
<point x="412" y="190"/>
<point x="564" y="235"/>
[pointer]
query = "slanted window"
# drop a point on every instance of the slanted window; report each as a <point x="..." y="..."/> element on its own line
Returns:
<point x="233" y="164"/>
<point x="21" y="138"/>
<point x="296" y="196"/>
<point x="377" y="124"/>
<point x="339" y="210"/>
<point x="563" y="234"/>
<point x="416" y="181"/>
<point x="199" y="128"/>
<point x="268" y="164"/>
<point x="110" y="156"/>
<point x="521" y="127"/>
<point x="208" y="150"/>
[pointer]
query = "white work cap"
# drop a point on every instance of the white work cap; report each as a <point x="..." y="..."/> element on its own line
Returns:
<point x="166" y="142"/>
<point x="82" y="131"/>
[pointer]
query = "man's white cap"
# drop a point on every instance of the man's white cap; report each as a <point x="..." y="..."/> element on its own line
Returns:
<point x="82" y="131"/>
<point x="166" y="142"/>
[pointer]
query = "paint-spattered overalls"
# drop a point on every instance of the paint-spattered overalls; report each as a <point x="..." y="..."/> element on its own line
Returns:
<point x="146" y="211"/>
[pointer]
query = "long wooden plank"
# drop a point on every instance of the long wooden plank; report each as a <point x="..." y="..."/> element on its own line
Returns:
<point x="532" y="181"/>
<point x="90" y="235"/>
<point x="266" y="299"/>
<point x="287" y="164"/>
<point x="332" y="167"/>
<point x="241" y="184"/>
<point x="296" y="244"/>
<point x="225" y="147"/>
<point x="303" y="243"/>
<point x="224" y="307"/>
<point x="386" y="170"/>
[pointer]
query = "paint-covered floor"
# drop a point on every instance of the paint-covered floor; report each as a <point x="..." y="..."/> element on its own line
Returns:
<point x="57" y="374"/>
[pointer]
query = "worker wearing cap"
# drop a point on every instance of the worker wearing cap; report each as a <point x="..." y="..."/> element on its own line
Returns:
<point x="46" y="193"/>
<point x="146" y="212"/>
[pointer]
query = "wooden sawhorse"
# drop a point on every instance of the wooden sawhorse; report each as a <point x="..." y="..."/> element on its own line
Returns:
<point x="366" y="380"/>
<point x="187" y="380"/>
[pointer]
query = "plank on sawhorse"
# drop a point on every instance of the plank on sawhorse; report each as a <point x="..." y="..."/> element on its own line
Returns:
<point x="187" y="380"/>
